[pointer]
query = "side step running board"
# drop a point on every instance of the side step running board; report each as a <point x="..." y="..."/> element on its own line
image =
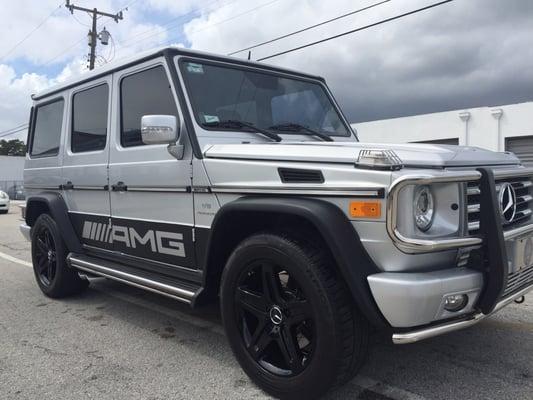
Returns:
<point x="169" y="287"/>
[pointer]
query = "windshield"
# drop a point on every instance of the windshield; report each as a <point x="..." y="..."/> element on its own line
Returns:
<point x="267" y="101"/>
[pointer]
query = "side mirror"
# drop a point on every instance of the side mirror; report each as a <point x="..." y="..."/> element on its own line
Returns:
<point x="159" y="129"/>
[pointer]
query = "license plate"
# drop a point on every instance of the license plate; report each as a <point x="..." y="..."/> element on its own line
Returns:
<point x="520" y="253"/>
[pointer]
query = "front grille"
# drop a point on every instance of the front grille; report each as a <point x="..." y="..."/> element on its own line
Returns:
<point x="524" y="198"/>
<point x="517" y="280"/>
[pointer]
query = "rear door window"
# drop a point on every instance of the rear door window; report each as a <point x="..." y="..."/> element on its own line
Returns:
<point x="89" y="119"/>
<point x="46" y="134"/>
<point x="144" y="93"/>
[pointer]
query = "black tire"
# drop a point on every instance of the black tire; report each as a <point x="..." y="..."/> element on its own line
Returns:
<point x="329" y="335"/>
<point x="4" y="211"/>
<point x="49" y="256"/>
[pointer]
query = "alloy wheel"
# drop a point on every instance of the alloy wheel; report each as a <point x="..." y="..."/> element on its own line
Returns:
<point x="46" y="257"/>
<point x="275" y="319"/>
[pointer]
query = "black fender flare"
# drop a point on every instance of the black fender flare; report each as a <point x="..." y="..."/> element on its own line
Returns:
<point x="337" y="231"/>
<point x="55" y="203"/>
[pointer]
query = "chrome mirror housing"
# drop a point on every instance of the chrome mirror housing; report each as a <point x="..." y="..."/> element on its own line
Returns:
<point x="159" y="129"/>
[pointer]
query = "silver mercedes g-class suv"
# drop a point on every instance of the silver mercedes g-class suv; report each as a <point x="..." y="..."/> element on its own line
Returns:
<point x="201" y="177"/>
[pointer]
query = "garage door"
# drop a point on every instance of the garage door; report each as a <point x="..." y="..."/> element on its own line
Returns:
<point x="522" y="146"/>
<point x="454" y="141"/>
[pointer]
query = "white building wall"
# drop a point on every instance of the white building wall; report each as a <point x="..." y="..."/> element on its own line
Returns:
<point x="486" y="127"/>
<point x="11" y="168"/>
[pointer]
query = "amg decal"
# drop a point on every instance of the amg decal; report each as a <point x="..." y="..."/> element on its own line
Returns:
<point x="170" y="243"/>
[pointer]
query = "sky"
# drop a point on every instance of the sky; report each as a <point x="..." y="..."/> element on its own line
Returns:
<point x="467" y="53"/>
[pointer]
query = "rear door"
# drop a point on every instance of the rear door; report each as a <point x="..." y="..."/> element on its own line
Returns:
<point x="85" y="162"/>
<point x="42" y="170"/>
<point x="151" y="199"/>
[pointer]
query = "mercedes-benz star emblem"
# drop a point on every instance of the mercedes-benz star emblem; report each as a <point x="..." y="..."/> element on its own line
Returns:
<point x="276" y="316"/>
<point x="507" y="199"/>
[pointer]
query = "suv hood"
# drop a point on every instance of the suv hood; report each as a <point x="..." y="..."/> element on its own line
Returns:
<point x="412" y="155"/>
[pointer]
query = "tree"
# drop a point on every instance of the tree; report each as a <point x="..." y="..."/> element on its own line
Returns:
<point x="14" y="147"/>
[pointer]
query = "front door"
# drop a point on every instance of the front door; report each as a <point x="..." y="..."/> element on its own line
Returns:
<point x="85" y="161"/>
<point x="151" y="199"/>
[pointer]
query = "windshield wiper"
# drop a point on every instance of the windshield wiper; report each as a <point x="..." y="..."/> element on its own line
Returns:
<point x="293" y="127"/>
<point x="239" y="125"/>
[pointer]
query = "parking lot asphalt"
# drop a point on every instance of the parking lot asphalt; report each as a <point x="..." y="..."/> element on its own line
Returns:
<point x="118" y="342"/>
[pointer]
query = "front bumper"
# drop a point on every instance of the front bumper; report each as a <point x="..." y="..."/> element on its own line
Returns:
<point x="414" y="299"/>
<point x="436" y="330"/>
<point x="413" y="302"/>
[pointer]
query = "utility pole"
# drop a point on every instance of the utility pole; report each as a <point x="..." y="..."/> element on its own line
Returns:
<point x="93" y="35"/>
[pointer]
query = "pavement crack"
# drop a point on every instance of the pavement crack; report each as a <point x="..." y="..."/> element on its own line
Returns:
<point x="47" y="350"/>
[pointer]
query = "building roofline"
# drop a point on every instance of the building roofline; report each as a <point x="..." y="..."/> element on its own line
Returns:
<point x="154" y="53"/>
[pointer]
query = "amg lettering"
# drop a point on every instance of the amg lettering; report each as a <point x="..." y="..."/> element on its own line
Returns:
<point x="170" y="243"/>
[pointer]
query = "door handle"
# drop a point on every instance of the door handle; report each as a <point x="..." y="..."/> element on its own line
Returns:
<point x="119" y="187"/>
<point x="67" y="186"/>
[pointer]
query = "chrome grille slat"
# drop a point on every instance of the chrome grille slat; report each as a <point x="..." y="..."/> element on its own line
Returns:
<point x="471" y="191"/>
<point x="473" y="226"/>
<point x="472" y="208"/>
<point x="523" y="199"/>
<point x="517" y="280"/>
<point x="523" y="187"/>
<point x="524" y="202"/>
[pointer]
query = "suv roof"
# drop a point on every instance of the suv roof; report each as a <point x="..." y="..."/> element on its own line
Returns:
<point x="147" y="55"/>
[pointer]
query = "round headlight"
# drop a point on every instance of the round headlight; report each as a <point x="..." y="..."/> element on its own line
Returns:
<point x="424" y="210"/>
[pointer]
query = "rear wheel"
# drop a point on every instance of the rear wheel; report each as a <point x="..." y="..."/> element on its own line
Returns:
<point x="289" y="319"/>
<point x="49" y="253"/>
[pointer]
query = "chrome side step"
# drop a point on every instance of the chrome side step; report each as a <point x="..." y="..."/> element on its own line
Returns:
<point x="107" y="269"/>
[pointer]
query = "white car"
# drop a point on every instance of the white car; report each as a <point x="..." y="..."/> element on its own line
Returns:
<point x="4" y="203"/>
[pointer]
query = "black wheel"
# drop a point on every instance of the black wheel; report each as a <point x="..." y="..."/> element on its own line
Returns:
<point x="4" y="211"/>
<point x="289" y="318"/>
<point x="54" y="277"/>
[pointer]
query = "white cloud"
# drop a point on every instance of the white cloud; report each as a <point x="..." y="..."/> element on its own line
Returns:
<point x="458" y="55"/>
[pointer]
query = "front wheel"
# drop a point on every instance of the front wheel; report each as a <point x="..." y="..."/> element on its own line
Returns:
<point x="49" y="256"/>
<point x="289" y="318"/>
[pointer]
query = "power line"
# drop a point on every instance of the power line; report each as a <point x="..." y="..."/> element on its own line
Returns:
<point x="355" y="30"/>
<point x="63" y="52"/>
<point x="310" y="27"/>
<point x="15" y="127"/>
<point x="235" y="16"/>
<point x="13" y="132"/>
<point x="169" y="22"/>
<point x="30" y="33"/>
<point x="216" y="23"/>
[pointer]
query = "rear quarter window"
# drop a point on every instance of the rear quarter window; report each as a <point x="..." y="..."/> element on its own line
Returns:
<point x="89" y="119"/>
<point x="46" y="134"/>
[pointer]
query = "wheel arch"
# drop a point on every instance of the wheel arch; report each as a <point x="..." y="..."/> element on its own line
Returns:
<point x="53" y="203"/>
<point x="247" y="215"/>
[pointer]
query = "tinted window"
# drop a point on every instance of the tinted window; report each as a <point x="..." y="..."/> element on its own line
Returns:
<point x="47" y="130"/>
<point x="265" y="100"/>
<point x="144" y="93"/>
<point x="89" y="119"/>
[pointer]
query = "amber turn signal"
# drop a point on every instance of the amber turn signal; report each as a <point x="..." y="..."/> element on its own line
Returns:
<point x="365" y="209"/>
